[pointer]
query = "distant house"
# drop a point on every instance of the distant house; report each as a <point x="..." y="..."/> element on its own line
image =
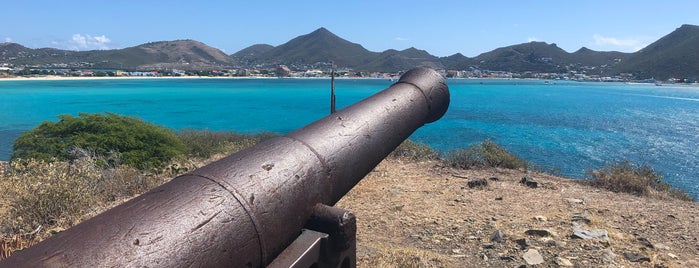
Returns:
<point x="283" y="71"/>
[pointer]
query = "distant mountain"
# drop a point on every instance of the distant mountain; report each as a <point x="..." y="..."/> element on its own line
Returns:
<point x="393" y="60"/>
<point x="319" y="46"/>
<point x="456" y="62"/>
<point x="181" y="54"/>
<point x="588" y="57"/>
<point x="674" y="55"/>
<point x="530" y="56"/>
<point x="248" y="55"/>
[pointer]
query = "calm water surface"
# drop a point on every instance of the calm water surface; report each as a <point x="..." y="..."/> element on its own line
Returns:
<point x="570" y="126"/>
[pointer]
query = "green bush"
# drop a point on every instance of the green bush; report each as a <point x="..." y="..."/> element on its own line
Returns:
<point x="415" y="151"/>
<point x="138" y="143"/>
<point x="206" y="143"/>
<point x="483" y="155"/>
<point x="634" y="179"/>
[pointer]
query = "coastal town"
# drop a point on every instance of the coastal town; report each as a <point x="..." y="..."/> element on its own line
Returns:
<point x="282" y="71"/>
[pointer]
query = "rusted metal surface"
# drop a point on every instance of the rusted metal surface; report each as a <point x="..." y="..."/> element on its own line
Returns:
<point x="245" y="209"/>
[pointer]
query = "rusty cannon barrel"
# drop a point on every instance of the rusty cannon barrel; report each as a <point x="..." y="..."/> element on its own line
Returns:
<point x="245" y="209"/>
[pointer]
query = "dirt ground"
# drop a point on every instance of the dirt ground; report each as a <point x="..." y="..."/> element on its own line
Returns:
<point x="426" y="215"/>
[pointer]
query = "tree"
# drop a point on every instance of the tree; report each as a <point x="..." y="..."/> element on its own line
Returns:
<point x="139" y="144"/>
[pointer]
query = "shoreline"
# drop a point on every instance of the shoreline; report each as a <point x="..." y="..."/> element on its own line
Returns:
<point x="73" y="78"/>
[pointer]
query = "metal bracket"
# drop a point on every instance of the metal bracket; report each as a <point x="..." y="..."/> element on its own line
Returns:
<point x="328" y="240"/>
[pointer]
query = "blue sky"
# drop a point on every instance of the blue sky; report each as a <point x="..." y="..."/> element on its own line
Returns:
<point x="441" y="28"/>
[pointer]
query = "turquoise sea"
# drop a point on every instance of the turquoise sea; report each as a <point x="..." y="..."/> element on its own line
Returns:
<point x="571" y="126"/>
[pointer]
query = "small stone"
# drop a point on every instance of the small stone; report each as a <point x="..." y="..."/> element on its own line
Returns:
<point x="508" y="258"/>
<point x="673" y="256"/>
<point x="636" y="257"/>
<point x="522" y="242"/>
<point x="645" y="242"/>
<point x="480" y="183"/>
<point x="489" y="246"/>
<point x="608" y="256"/>
<point x="563" y="262"/>
<point x="485" y="257"/>
<point x="580" y="217"/>
<point x="529" y="182"/>
<point x="536" y="232"/>
<point x="661" y="246"/>
<point x="494" y="179"/>
<point x="582" y="233"/>
<point x="533" y="257"/>
<point x="457" y="251"/>
<point x="497" y="236"/>
<point x="499" y="198"/>
<point x="540" y="218"/>
<point x="575" y="201"/>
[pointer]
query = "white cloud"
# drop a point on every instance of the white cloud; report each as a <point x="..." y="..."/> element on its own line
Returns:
<point x="88" y="42"/>
<point x="617" y="43"/>
<point x="533" y="39"/>
<point x="401" y="39"/>
<point x="8" y="40"/>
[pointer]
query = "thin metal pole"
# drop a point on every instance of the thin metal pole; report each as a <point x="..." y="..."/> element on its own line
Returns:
<point x="332" y="87"/>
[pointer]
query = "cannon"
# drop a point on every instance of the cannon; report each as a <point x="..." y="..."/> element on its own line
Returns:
<point x="251" y="208"/>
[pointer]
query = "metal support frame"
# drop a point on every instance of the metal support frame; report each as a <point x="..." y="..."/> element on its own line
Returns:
<point x="329" y="239"/>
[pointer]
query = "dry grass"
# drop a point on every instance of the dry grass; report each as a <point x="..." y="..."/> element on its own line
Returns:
<point x="411" y="212"/>
<point x="425" y="215"/>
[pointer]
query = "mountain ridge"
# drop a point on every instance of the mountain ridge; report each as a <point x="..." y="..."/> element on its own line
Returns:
<point x="671" y="56"/>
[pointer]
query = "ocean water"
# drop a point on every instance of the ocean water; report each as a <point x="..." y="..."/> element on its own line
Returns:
<point x="568" y="126"/>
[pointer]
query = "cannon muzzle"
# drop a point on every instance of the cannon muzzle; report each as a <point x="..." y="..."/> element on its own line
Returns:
<point x="245" y="209"/>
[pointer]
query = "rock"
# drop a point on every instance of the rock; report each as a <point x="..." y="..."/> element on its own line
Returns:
<point x="575" y="201"/>
<point x="537" y="232"/>
<point x="508" y="258"/>
<point x="522" y="242"/>
<point x="645" y="242"/>
<point x="608" y="256"/>
<point x="497" y="236"/>
<point x="661" y="246"/>
<point x="636" y="257"/>
<point x="582" y="233"/>
<point x="480" y="183"/>
<point x="499" y="198"/>
<point x="580" y="217"/>
<point x="540" y="218"/>
<point x="532" y="257"/>
<point x="494" y="179"/>
<point x="563" y="262"/>
<point x="529" y="182"/>
<point x="673" y="256"/>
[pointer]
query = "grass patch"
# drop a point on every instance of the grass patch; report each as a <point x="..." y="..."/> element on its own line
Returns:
<point x="415" y="151"/>
<point x="206" y="143"/>
<point x="635" y="179"/>
<point x="484" y="155"/>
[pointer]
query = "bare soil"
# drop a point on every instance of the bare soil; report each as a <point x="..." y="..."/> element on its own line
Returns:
<point x="426" y="215"/>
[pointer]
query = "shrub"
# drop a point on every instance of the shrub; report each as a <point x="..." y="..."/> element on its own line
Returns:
<point x="206" y="143"/>
<point x="485" y="154"/>
<point x="634" y="179"/>
<point x="140" y="144"/>
<point x="415" y="151"/>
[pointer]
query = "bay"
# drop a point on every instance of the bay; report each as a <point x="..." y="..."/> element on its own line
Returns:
<point x="569" y="126"/>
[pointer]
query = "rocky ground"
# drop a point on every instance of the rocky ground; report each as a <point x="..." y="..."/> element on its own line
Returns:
<point x="426" y="215"/>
